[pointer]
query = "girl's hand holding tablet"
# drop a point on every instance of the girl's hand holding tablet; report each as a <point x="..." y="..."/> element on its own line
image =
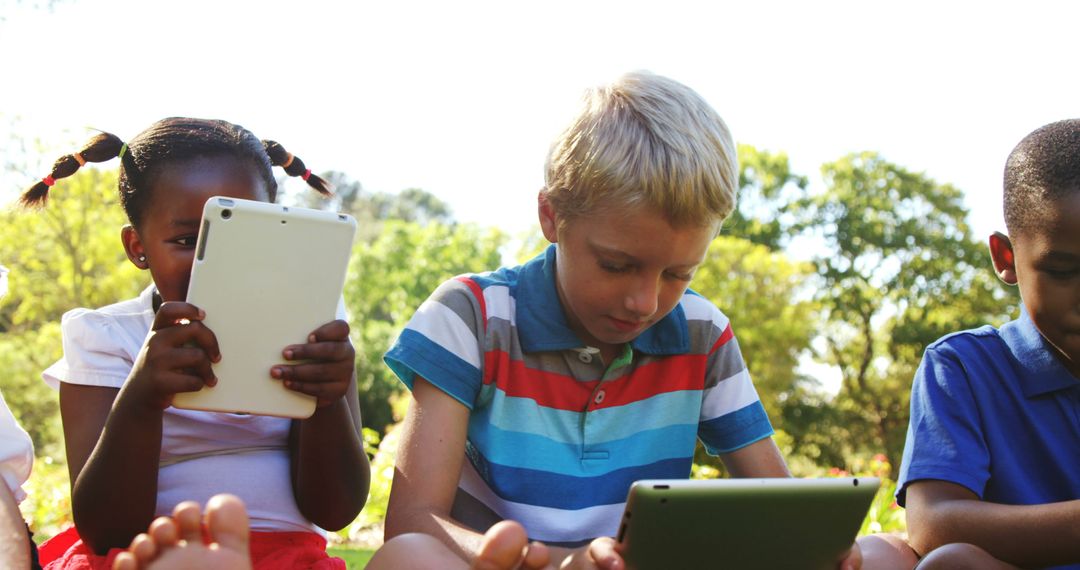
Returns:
<point x="176" y="356"/>
<point x="327" y="364"/>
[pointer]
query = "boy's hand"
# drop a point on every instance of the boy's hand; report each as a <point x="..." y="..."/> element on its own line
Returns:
<point x="330" y="363"/>
<point x="601" y="553"/>
<point x="852" y="560"/>
<point x="175" y="357"/>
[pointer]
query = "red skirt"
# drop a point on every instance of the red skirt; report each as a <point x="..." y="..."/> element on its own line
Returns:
<point x="269" y="551"/>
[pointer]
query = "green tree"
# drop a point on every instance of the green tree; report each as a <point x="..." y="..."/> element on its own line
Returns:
<point x="63" y="256"/>
<point x="767" y="190"/>
<point x="388" y="280"/>
<point x="898" y="268"/>
<point x="369" y="208"/>
<point x="764" y="294"/>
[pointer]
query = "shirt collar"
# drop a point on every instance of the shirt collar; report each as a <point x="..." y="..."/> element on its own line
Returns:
<point x="541" y="323"/>
<point x="1044" y="373"/>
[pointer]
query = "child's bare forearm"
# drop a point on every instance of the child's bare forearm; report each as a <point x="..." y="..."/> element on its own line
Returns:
<point x="14" y="545"/>
<point x="330" y="469"/>
<point x="1025" y="535"/>
<point x="115" y="493"/>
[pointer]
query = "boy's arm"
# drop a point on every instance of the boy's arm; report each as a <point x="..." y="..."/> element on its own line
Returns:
<point x="759" y="459"/>
<point x="430" y="455"/>
<point x="940" y="512"/>
<point x="429" y="460"/>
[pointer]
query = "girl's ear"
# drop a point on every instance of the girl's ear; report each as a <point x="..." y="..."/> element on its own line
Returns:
<point x="134" y="247"/>
<point x="1001" y="252"/>
<point x="549" y="222"/>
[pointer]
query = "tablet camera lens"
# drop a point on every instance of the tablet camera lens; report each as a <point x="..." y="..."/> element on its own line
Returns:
<point x="226" y="214"/>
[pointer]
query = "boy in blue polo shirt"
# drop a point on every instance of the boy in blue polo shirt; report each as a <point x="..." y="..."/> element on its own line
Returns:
<point x="541" y="392"/>
<point x="991" y="468"/>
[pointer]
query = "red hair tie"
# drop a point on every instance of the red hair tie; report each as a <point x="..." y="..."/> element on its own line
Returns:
<point x="306" y="175"/>
<point x="49" y="180"/>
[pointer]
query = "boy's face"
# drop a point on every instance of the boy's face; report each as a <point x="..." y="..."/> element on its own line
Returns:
<point x="1046" y="267"/>
<point x="170" y="224"/>
<point x="619" y="272"/>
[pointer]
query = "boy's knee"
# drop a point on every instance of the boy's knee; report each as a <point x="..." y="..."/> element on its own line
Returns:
<point x="887" y="551"/>
<point x="414" y="550"/>
<point x="961" y="556"/>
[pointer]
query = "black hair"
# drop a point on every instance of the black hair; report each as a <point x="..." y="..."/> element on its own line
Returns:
<point x="1043" y="168"/>
<point x="168" y="141"/>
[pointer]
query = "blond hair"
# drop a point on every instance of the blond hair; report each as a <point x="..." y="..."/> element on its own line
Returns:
<point x="645" y="140"/>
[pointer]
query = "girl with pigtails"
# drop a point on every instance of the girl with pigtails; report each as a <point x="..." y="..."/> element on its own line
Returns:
<point x="131" y="456"/>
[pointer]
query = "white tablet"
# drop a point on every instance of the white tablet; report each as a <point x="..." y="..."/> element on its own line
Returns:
<point x="267" y="276"/>
<point x="806" y="524"/>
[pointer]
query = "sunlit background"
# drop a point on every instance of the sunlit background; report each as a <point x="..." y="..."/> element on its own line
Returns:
<point x="462" y="98"/>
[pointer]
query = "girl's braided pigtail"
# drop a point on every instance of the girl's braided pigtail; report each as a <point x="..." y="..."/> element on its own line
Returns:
<point x="102" y="147"/>
<point x="294" y="166"/>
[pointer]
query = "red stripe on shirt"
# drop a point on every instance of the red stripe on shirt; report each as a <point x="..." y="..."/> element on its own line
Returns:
<point x="668" y="374"/>
<point x="724" y="338"/>
<point x="546" y="388"/>
<point x="477" y="292"/>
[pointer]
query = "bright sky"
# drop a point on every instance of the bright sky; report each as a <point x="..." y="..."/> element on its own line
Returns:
<point x="462" y="98"/>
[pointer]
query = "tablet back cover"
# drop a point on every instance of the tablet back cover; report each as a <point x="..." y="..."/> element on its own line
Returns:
<point x="267" y="276"/>
<point x="782" y="523"/>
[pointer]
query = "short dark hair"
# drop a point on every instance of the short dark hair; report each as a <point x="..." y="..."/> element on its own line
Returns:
<point x="168" y="141"/>
<point x="1043" y="168"/>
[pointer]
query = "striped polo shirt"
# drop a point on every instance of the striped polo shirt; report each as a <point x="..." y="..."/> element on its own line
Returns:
<point x="555" y="437"/>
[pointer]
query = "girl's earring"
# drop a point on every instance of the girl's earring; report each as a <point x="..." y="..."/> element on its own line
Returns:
<point x="142" y="259"/>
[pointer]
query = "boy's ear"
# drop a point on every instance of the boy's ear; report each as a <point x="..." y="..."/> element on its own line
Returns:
<point x="549" y="222"/>
<point x="134" y="247"/>
<point x="1001" y="252"/>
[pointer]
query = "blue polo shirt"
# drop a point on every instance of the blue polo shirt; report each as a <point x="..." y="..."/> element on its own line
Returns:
<point x="996" y="412"/>
<point x="555" y="435"/>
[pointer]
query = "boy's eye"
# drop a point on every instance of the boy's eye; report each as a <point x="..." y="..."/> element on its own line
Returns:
<point x="614" y="267"/>
<point x="186" y="241"/>
<point x="1061" y="273"/>
<point x="681" y="276"/>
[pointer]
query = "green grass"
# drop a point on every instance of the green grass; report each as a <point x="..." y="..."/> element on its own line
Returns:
<point x="355" y="558"/>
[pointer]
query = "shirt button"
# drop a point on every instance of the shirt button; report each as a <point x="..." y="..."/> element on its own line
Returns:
<point x="599" y="398"/>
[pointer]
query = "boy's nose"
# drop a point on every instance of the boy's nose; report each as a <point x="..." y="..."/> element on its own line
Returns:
<point x="641" y="300"/>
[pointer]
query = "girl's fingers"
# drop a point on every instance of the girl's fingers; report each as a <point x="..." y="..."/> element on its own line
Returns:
<point x="174" y="312"/>
<point x="325" y="391"/>
<point x="314" y="372"/>
<point x="324" y="351"/>
<point x="332" y="331"/>
<point x="193" y="333"/>
<point x="176" y="382"/>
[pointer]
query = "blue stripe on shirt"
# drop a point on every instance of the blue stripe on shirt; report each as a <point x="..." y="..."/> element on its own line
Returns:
<point x="531" y="451"/>
<point x="525" y="415"/>
<point x="544" y="489"/>
<point x="435" y="364"/>
<point x="735" y="430"/>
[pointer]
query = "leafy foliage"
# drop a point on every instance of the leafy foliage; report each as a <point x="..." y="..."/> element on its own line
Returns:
<point x="767" y="188"/>
<point x="897" y="269"/>
<point x="892" y="267"/>
<point x="389" y="278"/>
<point x="63" y="256"/>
